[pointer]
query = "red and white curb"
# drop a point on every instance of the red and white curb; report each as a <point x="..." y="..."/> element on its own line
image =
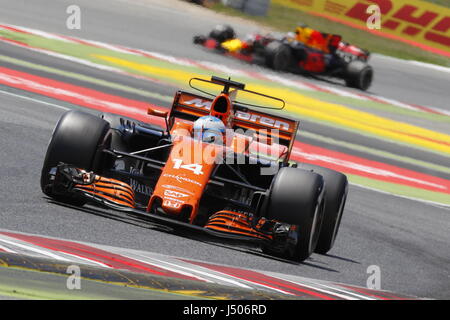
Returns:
<point x="211" y="66"/>
<point x="156" y="264"/>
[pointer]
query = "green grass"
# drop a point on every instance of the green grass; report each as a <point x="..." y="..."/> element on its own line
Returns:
<point x="284" y="19"/>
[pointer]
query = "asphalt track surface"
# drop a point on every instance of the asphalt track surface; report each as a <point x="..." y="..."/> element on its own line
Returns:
<point x="407" y="239"/>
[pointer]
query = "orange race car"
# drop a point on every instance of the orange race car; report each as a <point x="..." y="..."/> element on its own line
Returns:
<point x="217" y="167"/>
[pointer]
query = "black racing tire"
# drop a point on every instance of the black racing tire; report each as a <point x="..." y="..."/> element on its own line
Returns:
<point x="336" y="190"/>
<point x="359" y="75"/>
<point x="77" y="139"/>
<point x="296" y="198"/>
<point x="278" y="56"/>
<point x="222" y="32"/>
<point x="199" y="39"/>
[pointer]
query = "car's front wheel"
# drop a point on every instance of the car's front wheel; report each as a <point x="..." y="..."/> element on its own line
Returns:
<point x="296" y="198"/>
<point x="77" y="139"/>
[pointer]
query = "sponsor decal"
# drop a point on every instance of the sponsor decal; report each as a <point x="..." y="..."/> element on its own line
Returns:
<point x="139" y="187"/>
<point x="424" y="23"/>
<point x="171" y="204"/>
<point x="168" y="186"/>
<point x="181" y="179"/>
<point x="173" y="199"/>
<point x="176" y="194"/>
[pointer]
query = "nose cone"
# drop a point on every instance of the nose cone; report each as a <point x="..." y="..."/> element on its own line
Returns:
<point x="184" y="177"/>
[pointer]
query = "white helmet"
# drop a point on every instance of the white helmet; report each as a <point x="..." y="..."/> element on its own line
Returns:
<point x="209" y="129"/>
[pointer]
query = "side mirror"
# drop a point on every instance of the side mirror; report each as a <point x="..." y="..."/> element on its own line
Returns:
<point x="157" y="113"/>
<point x="161" y="114"/>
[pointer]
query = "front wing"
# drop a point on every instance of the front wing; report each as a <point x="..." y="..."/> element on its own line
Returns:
<point x="227" y="225"/>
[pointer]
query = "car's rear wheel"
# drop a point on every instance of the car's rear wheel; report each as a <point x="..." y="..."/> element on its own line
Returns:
<point x="336" y="190"/>
<point x="78" y="139"/>
<point x="296" y="198"/>
<point x="278" y="56"/>
<point x="359" y="75"/>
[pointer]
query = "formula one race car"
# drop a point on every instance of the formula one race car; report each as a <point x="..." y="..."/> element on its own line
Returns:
<point x="307" y="52"/>
<point x="215" y="166"/>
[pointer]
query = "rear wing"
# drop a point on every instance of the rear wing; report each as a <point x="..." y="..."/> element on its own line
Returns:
<point x="190" y="107"/>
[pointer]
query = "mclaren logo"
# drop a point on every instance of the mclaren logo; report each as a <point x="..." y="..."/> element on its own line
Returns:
<point x="199" y="103"/>
<point x="266" y="121"/>
<point x="244" y="116"/>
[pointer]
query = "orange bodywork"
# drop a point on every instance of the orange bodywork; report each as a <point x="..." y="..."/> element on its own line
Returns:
<point x="280" y="129"/>
<point x="185" y="176"/>
<point x="237" y="223"/>
<point x="192" y="161"/>
<point x="112" y="190"/>
<point x="190" y="164"/>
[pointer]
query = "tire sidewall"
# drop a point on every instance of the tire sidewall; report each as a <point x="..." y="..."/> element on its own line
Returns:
<point x="336" y="191"/>
<point x="359" y="75"/>
<point x="295" y="198"/>
<point x="78" y="139"/>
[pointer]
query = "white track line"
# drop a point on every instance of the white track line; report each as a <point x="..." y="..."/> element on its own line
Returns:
<point x="433" y="203"/>
<point x="50" y="254"/>
<point x="227" y="278"/>
<point x="316" y="288"/>
<point x="6" y="249"/>
<point x="34" y="100"/>
<point x="30" y="248"/>
<point x="206" y="274"/>
<point x="90" y="261"/>
<point x="345" y="294"/>
<point x="162" y="265"/>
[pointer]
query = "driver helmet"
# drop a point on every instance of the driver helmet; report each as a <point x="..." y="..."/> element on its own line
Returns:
<point x="303" y="32"/>
<point x="209" y="129"/>
<point x="300" y="27"/>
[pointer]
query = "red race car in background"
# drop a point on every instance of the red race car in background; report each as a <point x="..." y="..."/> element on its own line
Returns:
<point x="305" y="51"/>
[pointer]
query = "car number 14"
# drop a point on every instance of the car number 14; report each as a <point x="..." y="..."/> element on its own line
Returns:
<point x="196" y="168"/>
